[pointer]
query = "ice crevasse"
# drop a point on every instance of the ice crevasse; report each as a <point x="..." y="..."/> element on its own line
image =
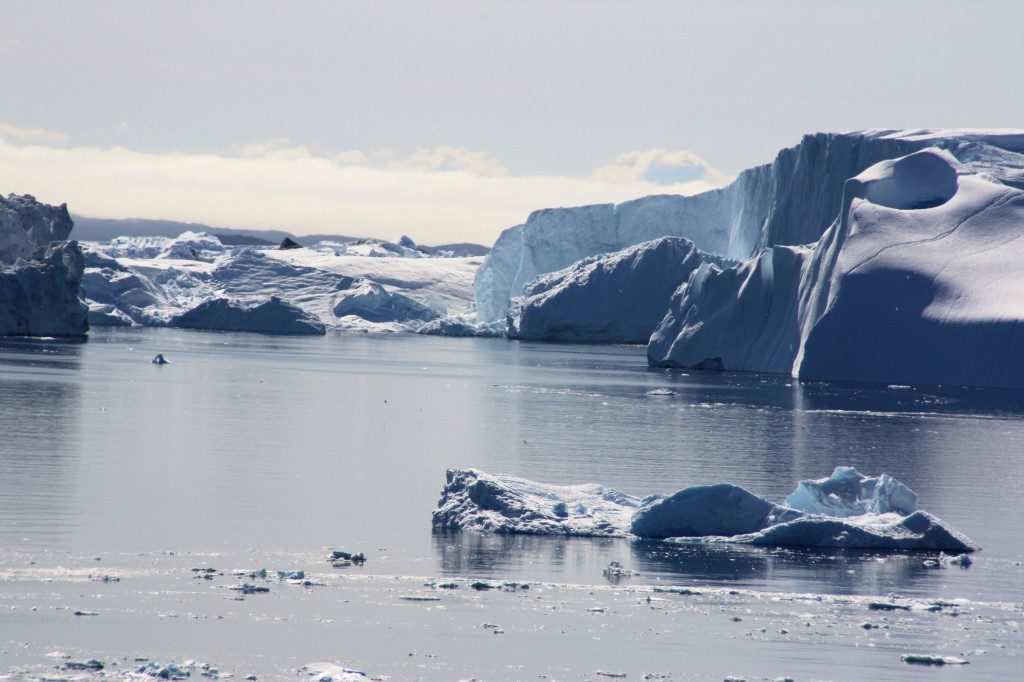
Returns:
<point x="844" y="510"/>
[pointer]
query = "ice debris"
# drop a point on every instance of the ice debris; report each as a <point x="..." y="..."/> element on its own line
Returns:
<point x="845" y="510"/>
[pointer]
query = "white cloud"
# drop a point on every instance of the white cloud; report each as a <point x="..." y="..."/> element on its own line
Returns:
<point x="9" y="43"/>
<point x="435" y="195"/>
<point x="661" y="167"/>
<point x="15" y="134"/>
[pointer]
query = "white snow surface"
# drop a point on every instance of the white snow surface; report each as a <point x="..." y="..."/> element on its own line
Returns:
<point x="40" y="270"/>
<point x="790" y="201"/>
<point x="614" y="298"/>
<point x="845" y="510"/>
<point x="155" y="281"/>
<point x="916" y="282"/>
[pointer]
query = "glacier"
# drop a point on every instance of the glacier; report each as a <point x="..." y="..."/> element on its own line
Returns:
<point x="845" y="510"/>
<point x="194" y="280"/>
<point x="791" y="201"/>
<point x="614" y="298"/>
<point x="915" y="282"/>
<point x="40" y="271"/>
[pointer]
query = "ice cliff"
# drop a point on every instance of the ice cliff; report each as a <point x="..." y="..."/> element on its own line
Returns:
<point x="790" y="201"/>
<point x="844" y="510"/>
<point x="40" y="270"/>
<point x="916" y="281"/>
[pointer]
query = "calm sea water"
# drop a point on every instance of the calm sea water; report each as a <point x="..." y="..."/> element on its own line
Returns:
<point x="254" y="444"/>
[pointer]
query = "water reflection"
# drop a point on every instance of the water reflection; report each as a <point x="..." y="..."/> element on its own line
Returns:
<point x="529" y="557"/>
<point x="39" y="420"/>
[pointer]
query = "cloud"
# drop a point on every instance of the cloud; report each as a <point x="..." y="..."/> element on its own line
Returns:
<point x="435" y="195"/>
<point x="660" y="167"/>
<point x="15" y="134"/>
<point x="9" y="43"/>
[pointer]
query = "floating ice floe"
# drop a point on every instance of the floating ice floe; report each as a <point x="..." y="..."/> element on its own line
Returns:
<point x="845" y="510"/>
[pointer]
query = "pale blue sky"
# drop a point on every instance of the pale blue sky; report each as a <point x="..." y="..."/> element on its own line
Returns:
<point x="532" y="98"/>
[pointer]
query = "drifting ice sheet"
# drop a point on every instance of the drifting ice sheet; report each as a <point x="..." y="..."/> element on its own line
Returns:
<point x="845" y="510"/>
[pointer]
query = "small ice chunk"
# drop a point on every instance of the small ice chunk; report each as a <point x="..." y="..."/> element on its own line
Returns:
<point x="930" y="659"/>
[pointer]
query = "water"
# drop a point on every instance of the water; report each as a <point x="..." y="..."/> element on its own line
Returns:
<point x="252" y="450"/>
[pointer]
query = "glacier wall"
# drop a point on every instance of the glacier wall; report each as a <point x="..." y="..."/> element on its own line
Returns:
<point x="40" y="270"/>
<point x="790" y="201"/>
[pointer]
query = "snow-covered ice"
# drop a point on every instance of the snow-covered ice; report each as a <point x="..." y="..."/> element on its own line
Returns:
<point x="845" y="510"/>
<point x="508" y="504"/>
<point x="194" y="279"/>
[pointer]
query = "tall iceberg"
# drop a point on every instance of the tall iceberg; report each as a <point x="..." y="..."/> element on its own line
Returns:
<point x="40" y="270"/>
<point x="790" y="201"/>
<point x="916" y="281"/>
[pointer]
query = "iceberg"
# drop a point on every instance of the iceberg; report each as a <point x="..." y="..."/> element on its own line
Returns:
<point x="151" y="281"/>
<point x="789" y="202"/>
<point x="915" y="282"/>
<point x="476" y="500"/>
<point x="845" y="510"/>
<point x="40" y="271"/>
<point x="614" y="298"/>
<point x="272" y="316"/>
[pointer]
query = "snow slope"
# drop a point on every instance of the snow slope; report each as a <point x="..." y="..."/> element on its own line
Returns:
<point x="917" y="281"/>
<point x="614" y="298"/>
<point x="845" y="510"/>
<point x="40" y="271"/>
<point x="790" y="201"/>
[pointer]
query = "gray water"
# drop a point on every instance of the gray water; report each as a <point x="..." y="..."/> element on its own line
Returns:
<point x="250" y="450"/>
<point x="293" y="444"/>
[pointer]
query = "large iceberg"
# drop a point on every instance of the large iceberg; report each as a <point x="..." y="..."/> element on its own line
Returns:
<point x="790" y="201"/>
<point x="845" y="510"/>
<point x="614" y="298"/>
<point x="40" y="271"/>
<point x="916" y="281"/>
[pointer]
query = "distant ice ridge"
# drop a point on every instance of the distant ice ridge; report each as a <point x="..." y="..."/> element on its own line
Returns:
<point x="40" y="270"/>
<point x="845" y="510"/>
<point x="194" y="280"/>
<point x="612" y="298"/>
<point x="917" y="280"/>
<point x="790" y="201"/>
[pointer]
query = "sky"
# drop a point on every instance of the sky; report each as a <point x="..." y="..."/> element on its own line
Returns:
<point x="450" y="121"/>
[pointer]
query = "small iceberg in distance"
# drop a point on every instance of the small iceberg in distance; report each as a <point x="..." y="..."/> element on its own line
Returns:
<point x="846" y="510"/>
<point x="160" y="359"/>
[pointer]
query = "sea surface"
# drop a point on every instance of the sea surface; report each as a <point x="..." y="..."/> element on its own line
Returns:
<point x="249" y="451"/>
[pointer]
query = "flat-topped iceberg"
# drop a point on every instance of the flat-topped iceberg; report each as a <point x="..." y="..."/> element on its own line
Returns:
<point x="845" y="510"/>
